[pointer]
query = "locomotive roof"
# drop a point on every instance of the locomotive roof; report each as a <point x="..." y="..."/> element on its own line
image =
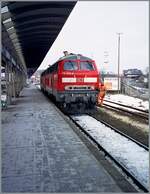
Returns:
<point x="74" y="57"/>
<point x="71" y="57"/>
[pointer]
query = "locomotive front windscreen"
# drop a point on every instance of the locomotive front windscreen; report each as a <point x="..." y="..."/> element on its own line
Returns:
<point x="70" y="65"/>
<point x="83" y="65"/>
<point x="86" y="65"/>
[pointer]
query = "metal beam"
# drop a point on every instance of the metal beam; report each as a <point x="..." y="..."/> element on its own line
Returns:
<point x="50" y="21"/>
<point x="37" y="28"/>
<point x="34" y="26"/>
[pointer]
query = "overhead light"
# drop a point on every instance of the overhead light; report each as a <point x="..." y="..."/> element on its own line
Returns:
<point x="8" y="20"/>
<point x="4" y="9"/>
<point x="17" y="44"/>
<point x="10" y="28"/>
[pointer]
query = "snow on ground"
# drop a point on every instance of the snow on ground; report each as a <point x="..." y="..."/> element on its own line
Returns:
<point x="128" y="100"/>
<point x="128" y="153"/>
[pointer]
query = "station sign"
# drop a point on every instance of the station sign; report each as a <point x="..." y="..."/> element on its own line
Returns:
<point x="111" y="83"/>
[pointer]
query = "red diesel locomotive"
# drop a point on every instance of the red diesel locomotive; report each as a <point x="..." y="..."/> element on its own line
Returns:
<point x="73" y="80"/>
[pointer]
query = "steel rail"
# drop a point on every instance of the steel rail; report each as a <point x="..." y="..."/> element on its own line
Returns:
<point x="142" y="115"/>
<point x="121" y="166"/>
<point x="127" y="106"/>
<point x="121" y="133"/>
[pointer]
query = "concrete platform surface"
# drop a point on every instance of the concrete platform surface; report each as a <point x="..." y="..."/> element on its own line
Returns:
<point x="41" y="153"/>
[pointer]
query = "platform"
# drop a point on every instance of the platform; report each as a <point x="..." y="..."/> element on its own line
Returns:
<point x="41" y="152"/>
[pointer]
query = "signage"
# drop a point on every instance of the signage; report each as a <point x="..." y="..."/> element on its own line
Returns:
<point x="111" y="83"/>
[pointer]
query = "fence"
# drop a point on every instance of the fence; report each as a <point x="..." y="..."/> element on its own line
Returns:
<point x="142" y="93"/>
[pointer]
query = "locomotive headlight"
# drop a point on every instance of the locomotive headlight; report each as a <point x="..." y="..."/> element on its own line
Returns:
<point x="68" y="79"/>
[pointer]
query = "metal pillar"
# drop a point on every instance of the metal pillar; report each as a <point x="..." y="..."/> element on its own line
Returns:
<point x="119" y="59"/>
<point x="8" y="86"/>
<point x="13" y="83"/>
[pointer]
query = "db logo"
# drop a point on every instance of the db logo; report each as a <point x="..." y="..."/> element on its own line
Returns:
<point x="80" y="79"/>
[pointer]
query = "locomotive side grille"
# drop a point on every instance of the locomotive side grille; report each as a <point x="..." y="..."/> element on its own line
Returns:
<point x="79" y="87"/>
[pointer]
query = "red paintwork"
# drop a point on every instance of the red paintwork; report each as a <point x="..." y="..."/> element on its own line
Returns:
<point x="56" y="78"/>
<point x="80" y="88"/>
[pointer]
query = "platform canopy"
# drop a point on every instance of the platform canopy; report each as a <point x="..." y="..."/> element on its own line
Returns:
<point x="33" y="26"/>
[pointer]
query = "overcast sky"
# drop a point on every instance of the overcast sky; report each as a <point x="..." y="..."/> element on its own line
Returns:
<point x="91" y="30"/>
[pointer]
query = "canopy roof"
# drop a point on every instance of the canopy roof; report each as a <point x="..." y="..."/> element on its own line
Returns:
<point x="34" y="26"/>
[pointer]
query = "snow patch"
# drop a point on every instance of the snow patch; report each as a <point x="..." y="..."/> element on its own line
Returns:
<point x="128" y="100"/>
<point x="128" y="153"/>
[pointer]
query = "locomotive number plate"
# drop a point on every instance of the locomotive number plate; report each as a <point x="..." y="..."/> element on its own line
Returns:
<point x="80" y="79"/>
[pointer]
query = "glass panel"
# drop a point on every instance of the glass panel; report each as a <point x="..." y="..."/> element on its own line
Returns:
<point x="70" y="65"/>
<point x="86" y="65"/>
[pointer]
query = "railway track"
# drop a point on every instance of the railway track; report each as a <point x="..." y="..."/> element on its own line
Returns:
<point x="121" y="164"/>
<point x="121" y="133"/>
<point x="127" y="173"/>
<point x="128" y="109"/>
<point x="85" y="126"/>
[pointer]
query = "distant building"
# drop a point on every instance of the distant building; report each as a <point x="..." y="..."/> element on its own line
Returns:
<point x="132" y="73"/>
<point x="134" y="77"/>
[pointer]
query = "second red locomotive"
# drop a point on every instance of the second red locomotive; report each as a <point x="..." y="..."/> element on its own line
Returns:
<point x="73" y="80"/>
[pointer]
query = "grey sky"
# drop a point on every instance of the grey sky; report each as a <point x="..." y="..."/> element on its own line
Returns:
<point x="91" y="30"/>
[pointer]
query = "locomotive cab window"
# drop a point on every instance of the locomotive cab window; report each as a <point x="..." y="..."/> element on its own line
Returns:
<point x="86" y="65"/>
<point x="70" y="65"/>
